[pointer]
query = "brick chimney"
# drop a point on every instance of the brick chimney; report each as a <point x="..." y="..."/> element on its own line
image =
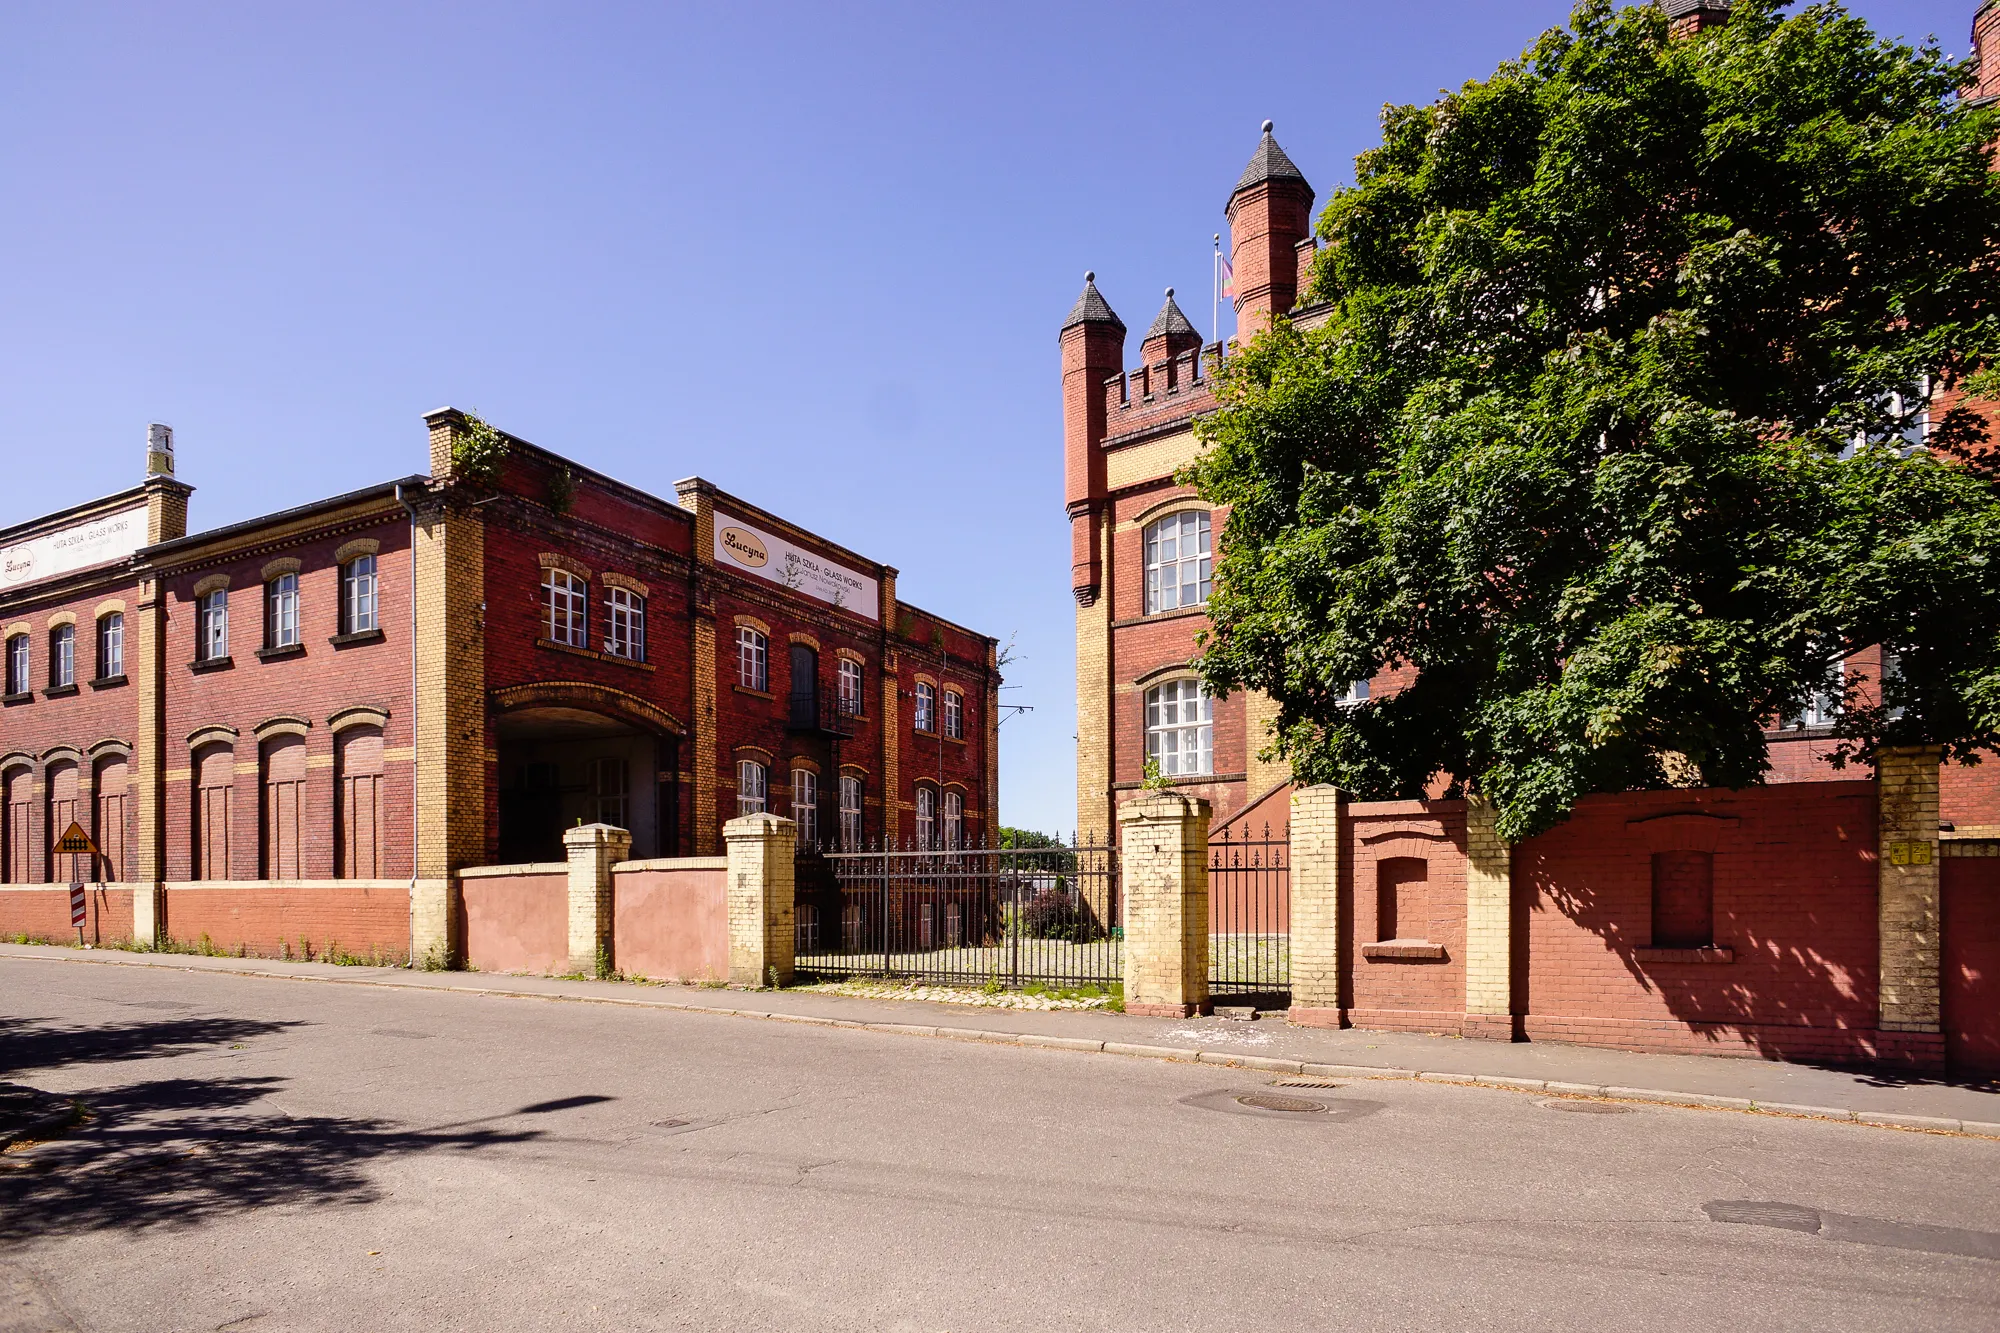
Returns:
<point x="1093" y="350"/>
<point x="1269" y="213"/>
<point x="1986" y="49"/>
<point x="1685" y="18"/>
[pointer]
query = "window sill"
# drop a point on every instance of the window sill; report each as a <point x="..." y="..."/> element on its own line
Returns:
<point x="108" y="682"/>
<point x="277" y="654"/>
<point x="1403" y="951"/>
<point x="222" y="663"/>
<point x="1155" y="617"/>
<point x="358" y="636"/>
<point x="26" y="696"/>
<point x="1713" y="954"/>
<point x="593" y="655"/>
<point x="1197" y="780"/>
<point x="755" y="694"/>
<point x="58" y="691"/>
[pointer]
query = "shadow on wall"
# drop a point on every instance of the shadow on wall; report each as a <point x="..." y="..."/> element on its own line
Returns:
<point x="175" y="1153"/>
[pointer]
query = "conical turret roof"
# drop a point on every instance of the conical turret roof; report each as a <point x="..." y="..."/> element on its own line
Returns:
<point x="1269" y="163"/>
<point x="1091" y="307"/>
<point x="1170" y="320"/>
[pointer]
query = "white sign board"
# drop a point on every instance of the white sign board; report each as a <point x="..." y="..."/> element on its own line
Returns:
<point x="96" y="542"/>
<point x="742" y="547"/>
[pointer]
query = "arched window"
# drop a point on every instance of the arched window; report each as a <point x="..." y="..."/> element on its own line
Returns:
<point x="281" y="612"/>
<point x="752" y="787"/>
<point x="283" y="799"/>
<point x="17" y="665"/>
<point x="926" y="711"/>
<point x="805" y="804"/>
<point x="926" y="818"/>
<point x="62" y="657"/>
<point x="358" y="818"/>
<point x="753" y="660"/>
<point x="626" y="610"/>
<point x="111" y="794"/>
<point x="850" y="811"/>
<point x="211" y="626"/>
<point x="850" y="687"/>
<point x="1180" y="720"/>
<point x="214" y="778"/>
<point x="954" y="715"/>
<point x="359" y="609"/>
<point x="1177" y="561"/>
<point x="62" y="787"/>
<point x="111" y="645"/>
<point x="954" y="820"/>
<point x="566" y="600"/>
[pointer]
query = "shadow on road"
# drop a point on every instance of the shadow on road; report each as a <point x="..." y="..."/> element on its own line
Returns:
<point x="28" y="1044"/>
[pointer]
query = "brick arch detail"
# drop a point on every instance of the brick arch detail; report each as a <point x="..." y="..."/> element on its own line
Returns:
<point x="584" y="694"/>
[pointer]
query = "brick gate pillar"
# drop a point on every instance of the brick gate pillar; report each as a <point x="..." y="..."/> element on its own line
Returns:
<point x="593" y="849"/>
<point x="1489" y="925"/>
<point x="1164" y="851"/>
<point x="1906" y="868"/>
<point x="761" y="910"/>
<point x="1319" y="874"/>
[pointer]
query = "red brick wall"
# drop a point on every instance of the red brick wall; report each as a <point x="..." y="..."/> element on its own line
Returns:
<point x="1971" y="889"/>
<point x="294" y="920"/>
<point x="1409" y="994"/>
<point x="42" y="914"/>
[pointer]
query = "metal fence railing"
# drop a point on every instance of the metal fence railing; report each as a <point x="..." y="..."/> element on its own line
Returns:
<point x="1249" y="915"/>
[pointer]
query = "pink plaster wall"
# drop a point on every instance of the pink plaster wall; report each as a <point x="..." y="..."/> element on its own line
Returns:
<point x="517" y="923"/>
<point x="672" y="925"/>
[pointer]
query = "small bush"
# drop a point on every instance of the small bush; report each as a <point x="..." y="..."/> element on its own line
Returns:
<point x="1053" y="915"/>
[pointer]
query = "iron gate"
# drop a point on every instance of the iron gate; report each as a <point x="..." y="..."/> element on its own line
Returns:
<point x="973" y="916"/>
<point x="1250" y="915"/>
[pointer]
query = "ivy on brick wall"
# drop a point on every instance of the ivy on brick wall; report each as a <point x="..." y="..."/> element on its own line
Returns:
<point x="1609" y="431"/>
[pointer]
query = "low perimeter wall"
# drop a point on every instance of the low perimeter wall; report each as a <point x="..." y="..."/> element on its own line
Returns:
<point x="40" y="913"/>
<point x="669" y="920"/>
<point x="516" y="918"/>
<point x="337" y="919"/>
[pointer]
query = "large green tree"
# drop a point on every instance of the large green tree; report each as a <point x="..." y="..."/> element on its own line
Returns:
<point x="1578" y="441"/>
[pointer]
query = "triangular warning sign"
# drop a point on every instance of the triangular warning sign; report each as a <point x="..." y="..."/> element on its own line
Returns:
<point x="74" y="840"/>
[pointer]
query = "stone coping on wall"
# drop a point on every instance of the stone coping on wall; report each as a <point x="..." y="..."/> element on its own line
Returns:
<point x="172" y="884"/>
<point x="673" y="863"/>
<point x="502" y="872"/>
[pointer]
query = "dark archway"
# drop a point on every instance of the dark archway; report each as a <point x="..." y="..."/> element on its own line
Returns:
<point x="572" y="753"/>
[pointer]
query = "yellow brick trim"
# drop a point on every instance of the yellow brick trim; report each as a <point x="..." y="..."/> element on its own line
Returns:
<point x="360" y="546"/>
<point x="284" y="564"/>
<point x="568" y="564"/>
<point x="357" y="716"/>
<point x="625" y="581"/>
<point x="212" y="583"/>
<point x="16" y="759"/>
<point x="210" y="735"/>
<point x="925" y="678"/>
<point x="1179" y="504"/>
<point x="753" y="752"/>
<point x="849" y="655"/>
<point x="18" y="628"/>
<point x="104" y="609"/>
<point x="62" y="618"/>
<point x="806" y="639"/>
<point x="799" y="761"/>
<point x="282" y="726"/>
<point x="751" y="622"/>
<point x="111" y="745"/>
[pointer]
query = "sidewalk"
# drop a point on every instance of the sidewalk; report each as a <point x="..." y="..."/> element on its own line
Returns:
<point x="1268" y="1044"/>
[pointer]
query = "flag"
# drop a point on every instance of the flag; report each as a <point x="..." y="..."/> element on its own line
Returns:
<point x="1228" y="275"/>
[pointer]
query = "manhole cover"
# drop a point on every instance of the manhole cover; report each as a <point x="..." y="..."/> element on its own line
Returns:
<point x="1587" y="1108"/>
<point x="1274" y="1101"/>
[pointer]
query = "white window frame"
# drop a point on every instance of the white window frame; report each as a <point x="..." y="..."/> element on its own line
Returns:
<point x="1180" y="728"/>
<point x="753" y="660"/>
<point x="1357" y="694"/>
<point x="62" y="657"/>
<point x="847" y="687"/>
<point x="753" y="784"/>
<point x="805" y="804"/>
<point x="926" y="818"/>
<point x="360" y="609"/>
<point x="111" y="645"/>
<point x="566" y="608"/>
<point x="1177" y="578"/>
<point x="212" y="625"/>
<point x="954" y="820"/>
<point x="611" y="789"/>
<point x="954" y="715"/>
<point x="924" y="716"/>
<point x="625" y="612"/>
<point x="281" y="612"/>
<point x="850" y="811"/>
<point x="19" y="660"/>
<point x="1823" y="708"/>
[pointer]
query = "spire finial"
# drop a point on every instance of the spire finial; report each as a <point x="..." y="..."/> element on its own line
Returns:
<point x="1170" y="293"/>
<point x="1268" y="127"/>
<point x="1090" y="275"/>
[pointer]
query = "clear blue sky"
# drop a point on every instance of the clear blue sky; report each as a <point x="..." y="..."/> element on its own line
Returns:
<point x="815" y="253"/>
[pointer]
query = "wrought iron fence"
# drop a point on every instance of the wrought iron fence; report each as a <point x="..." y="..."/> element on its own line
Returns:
<point x="971" y="916"/>
<point x="1250" y="914"/>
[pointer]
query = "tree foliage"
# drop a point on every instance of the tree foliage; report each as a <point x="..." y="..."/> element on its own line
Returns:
<point x="1604" y="435"/>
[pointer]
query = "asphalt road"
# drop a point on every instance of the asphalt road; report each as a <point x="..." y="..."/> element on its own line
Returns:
<point x="271" y="1155"/>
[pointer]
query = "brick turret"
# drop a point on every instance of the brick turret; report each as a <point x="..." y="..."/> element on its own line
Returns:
<point x="1093" y="350"/>
<point x="1986" y="49"/>
<point x="1270" y="214"/>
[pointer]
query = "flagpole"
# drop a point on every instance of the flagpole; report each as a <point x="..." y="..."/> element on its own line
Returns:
<point x="1215" y="288"/>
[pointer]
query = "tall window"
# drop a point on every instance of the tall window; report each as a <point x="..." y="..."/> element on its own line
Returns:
<point x="111" y="795"/>
<point x="565" y="598"/>
<point x="753" y="665"/>
<point x="805" y="804"/>
<point x="214" y="777"/>
<point x="211" y="627"/>
<point x="611" y="779"/>
<point x="805" y="686"/>
<point x="751" y="788"/>
<point x="627" y="613"/>
<point x="1179" y="728"/>
<point x="62" y="656"/>
<point x="358" y="827"/>
<point x="281" y="612"/>
<point x="358" y="596"/>
<point x="954" y="820"/>
<point x="111" y="646"/>
<point x="849" y="686"/>
<point x="954" y="715"/>
<point x="1683" y="900"/>
<point x="283" y="799"/>
<point x="850" y="811"/>
<point x="926" y="706"/>
<point x="17" y="664"/>
<point x="1177" y="562"/>
<point x="926" y="818"/>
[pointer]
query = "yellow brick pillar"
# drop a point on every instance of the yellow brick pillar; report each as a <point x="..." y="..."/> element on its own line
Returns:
<point x="592" y="850"/>
<point x="145" y="666"/>
<point x="1164" y="869"/>
<point x="1319" y="872"/>
<point x="1489" y="925"/>
<point x="761" y="911"/>
<point x="1909" y="940"/>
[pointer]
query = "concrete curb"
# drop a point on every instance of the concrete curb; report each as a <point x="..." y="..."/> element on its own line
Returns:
<point x="1181" y="1054"/>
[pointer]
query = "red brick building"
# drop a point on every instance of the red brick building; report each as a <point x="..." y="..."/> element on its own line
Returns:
<point x="304" y="725"/>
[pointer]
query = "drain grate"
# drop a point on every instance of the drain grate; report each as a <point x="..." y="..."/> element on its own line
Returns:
<point x="1588" y="1108"/>
<point x="1272" y="1101"/>
<point x="1307" y="1083"/>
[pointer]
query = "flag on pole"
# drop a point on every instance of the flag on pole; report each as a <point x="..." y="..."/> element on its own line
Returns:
<point x="1228" y="276"/>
